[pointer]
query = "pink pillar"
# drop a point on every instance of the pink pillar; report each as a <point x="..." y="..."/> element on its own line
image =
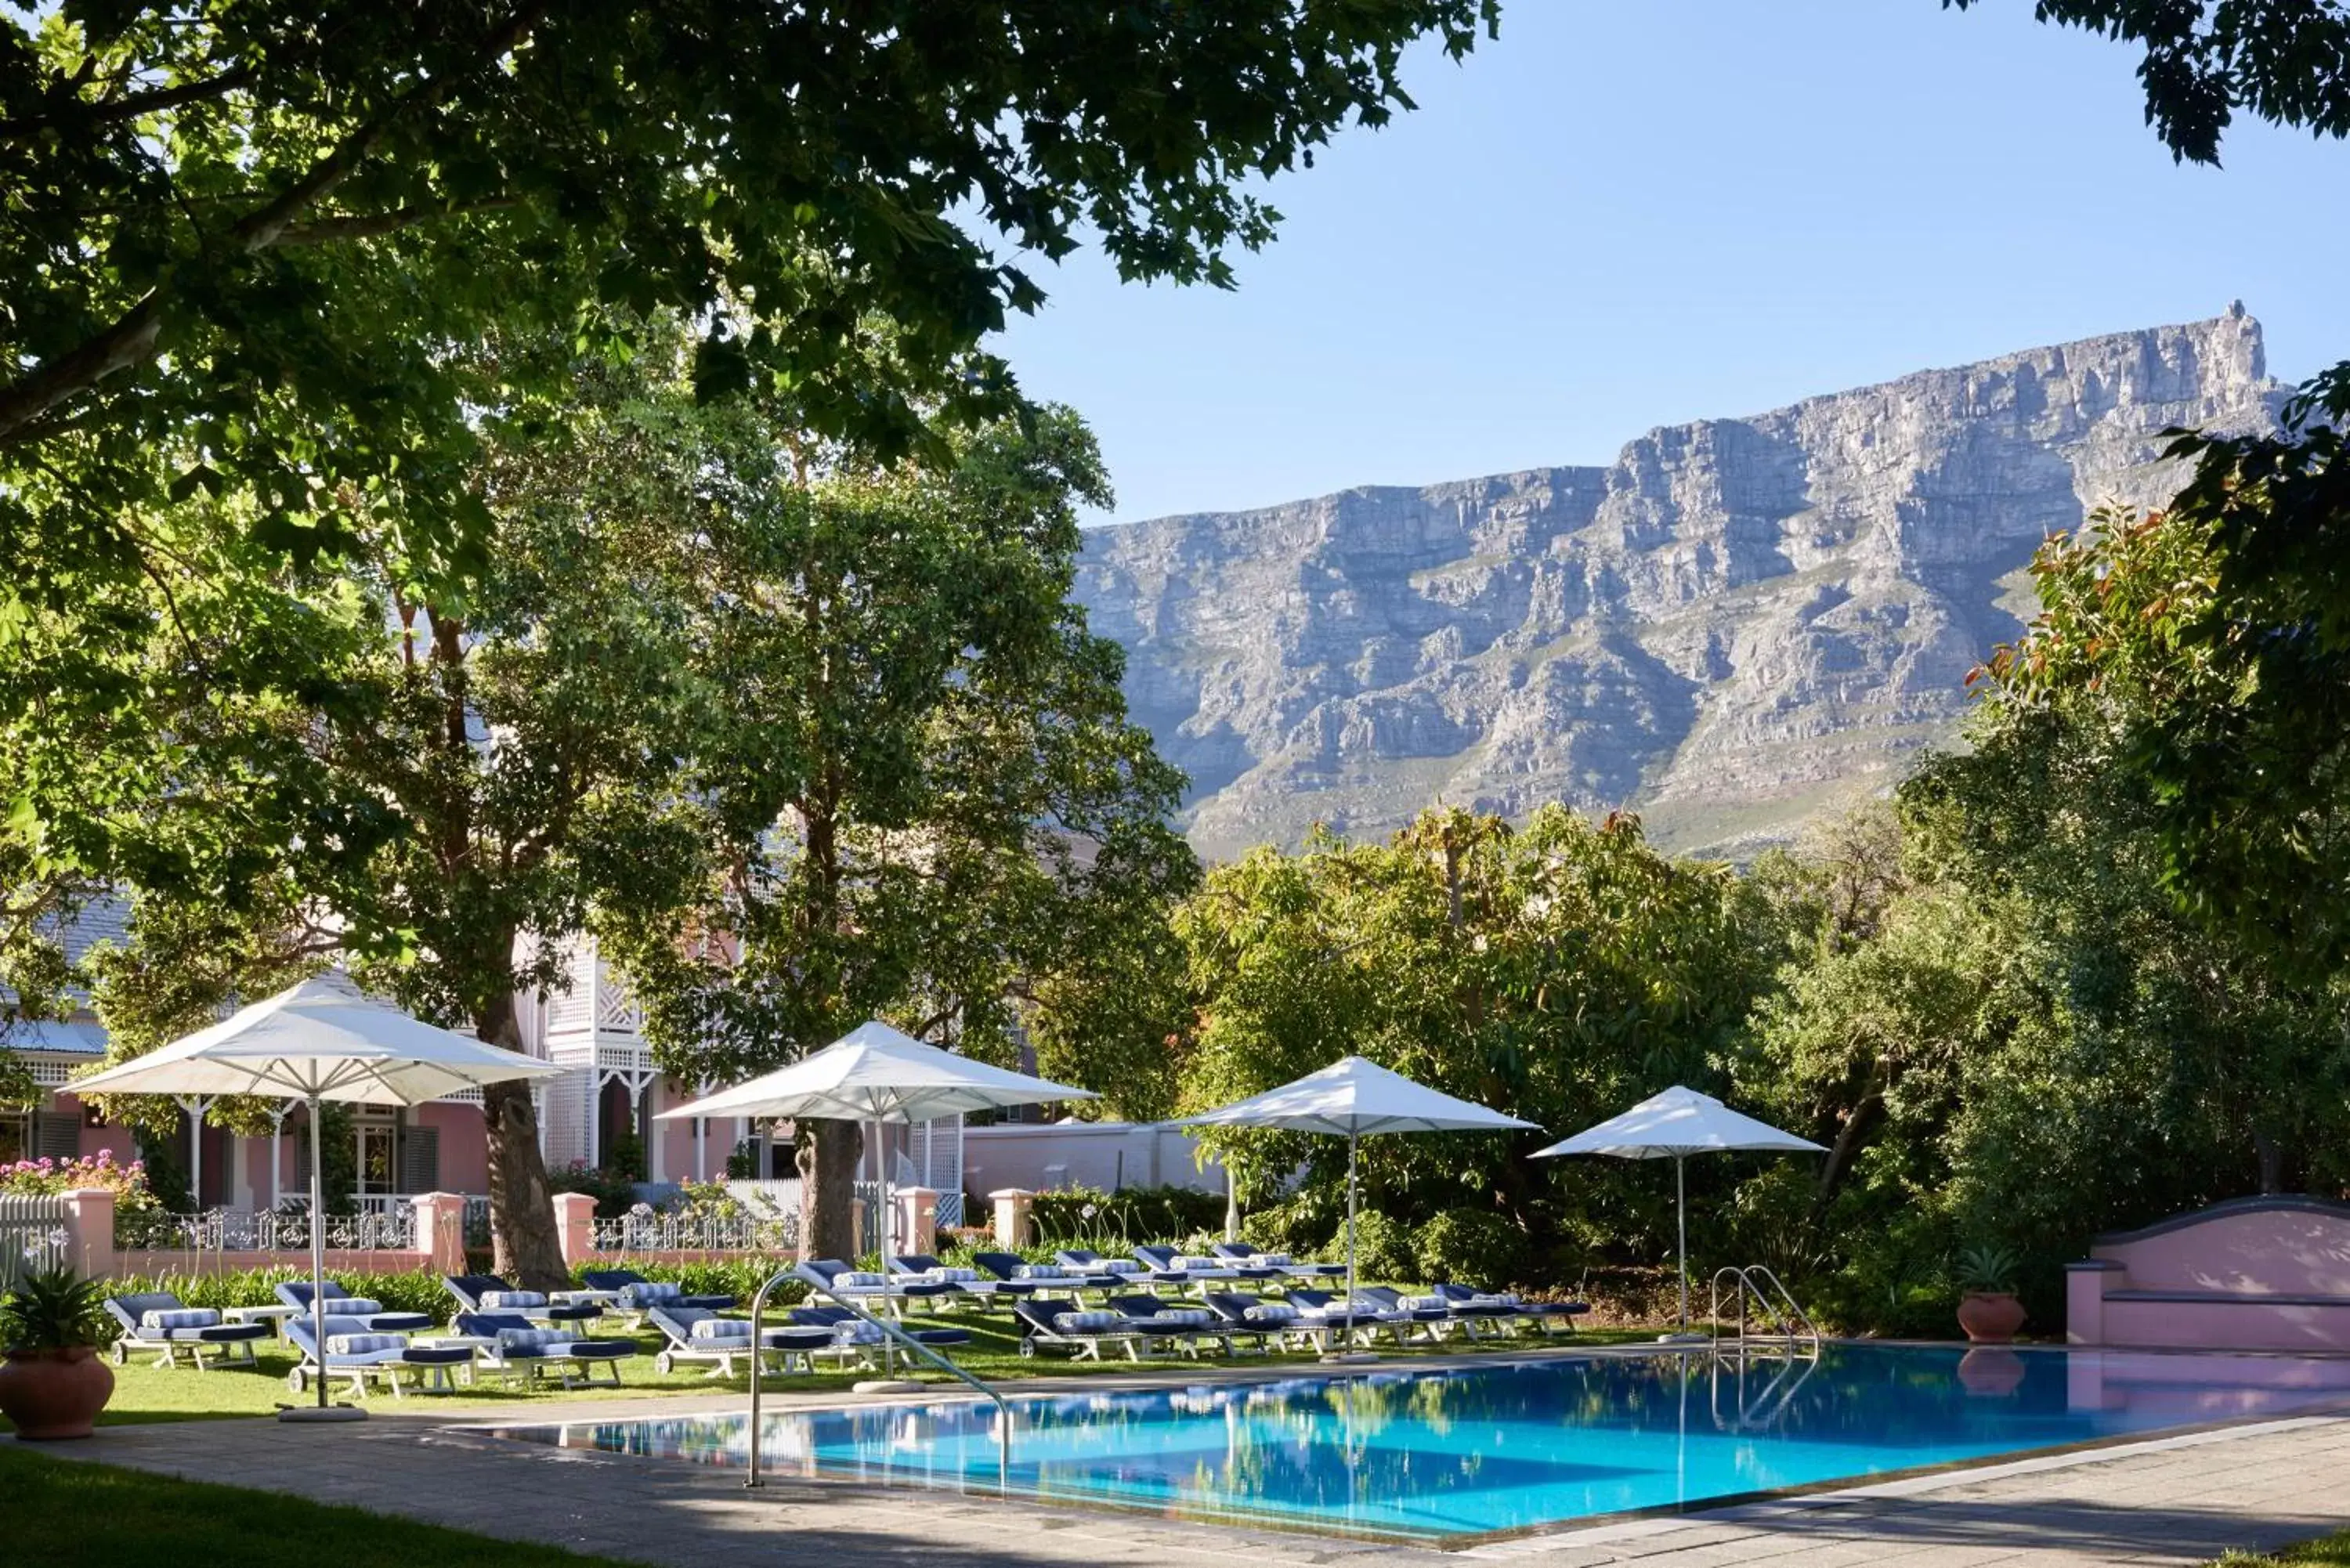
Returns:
<point x="1013" y="1205"/>
<point x="574" y="1223"/>
<point x="2085" y="1299"/>
<point x="440" y="1230"/>
<point x="917" y="1220"/>
<point x="89" y="1231"/>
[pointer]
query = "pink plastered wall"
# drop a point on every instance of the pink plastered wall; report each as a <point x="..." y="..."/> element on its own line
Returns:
<point x="2261" y="1251"/>
<point x="464" y="1146"/>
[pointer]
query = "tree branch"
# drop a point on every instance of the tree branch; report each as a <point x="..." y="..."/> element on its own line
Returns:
<point x="131" y="338"/>
<point x="366" y="225"/>
<point x="106" y="111"/>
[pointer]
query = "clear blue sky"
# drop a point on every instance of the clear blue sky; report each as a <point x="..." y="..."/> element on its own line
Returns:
<point x="1621" y="216"/>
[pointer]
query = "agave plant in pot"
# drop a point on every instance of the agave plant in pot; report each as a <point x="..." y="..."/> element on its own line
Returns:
<point x="1988" y="1309"/>
<point x="53" y="1382"/>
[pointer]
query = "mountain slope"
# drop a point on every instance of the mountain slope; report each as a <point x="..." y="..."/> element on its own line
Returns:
<point x="1738" y="623"/>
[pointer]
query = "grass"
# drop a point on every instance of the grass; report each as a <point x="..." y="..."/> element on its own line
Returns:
<point x="145" y="1393"/>
<point x="2330" y="1550"/>
<point x="67" y="1514"/>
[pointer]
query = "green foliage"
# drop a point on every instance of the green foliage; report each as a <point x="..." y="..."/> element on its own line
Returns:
<point x="48" y="1178"/>
<point x="1986" y="1269"/>
<point x="615" y="1191"/>
<point x="625" y="1156"/>
<point x="2288" y="61"/>
<point x="1384" y="1248"/>
<point x="1560" y="972"/>
<point x="1105" y="1221"/>
<point x="53" y="1309"/>
<point x="1471" y="1247"/>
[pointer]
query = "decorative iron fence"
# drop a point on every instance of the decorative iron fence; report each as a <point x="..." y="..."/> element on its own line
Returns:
<point x="33" y="1236"/>
<point x="691" y="1231"/>
<point x="285" y="1230"/>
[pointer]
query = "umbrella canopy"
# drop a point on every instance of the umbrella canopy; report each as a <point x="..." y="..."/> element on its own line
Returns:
<point x="874" y="1074"/>
<point x="324" y="1039"/>
<point x="1351" y="1098"/>
<point x="1673" y="1126"/>
<point x="1355" y="1099"/>
<point x="1676" y="1123"/>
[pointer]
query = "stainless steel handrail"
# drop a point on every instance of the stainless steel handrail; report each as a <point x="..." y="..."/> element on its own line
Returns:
<point x="818" y="1283"/>
<point x="1788" y="1317"/>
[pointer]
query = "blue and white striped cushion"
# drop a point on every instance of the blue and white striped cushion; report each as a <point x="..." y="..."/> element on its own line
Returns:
<point x="363" y="1344"/>
<point x="1271" y="1312"/>
<point x="181" y="1317"/>
<point x="846" y="1281"/>
<point x="1040" y="1271"/>
<point x="491" y="1301"/>
<point x="951" y="1276"/>
<point x="1087" y="1321"/>
<point x="1487" y="1302"/>
<point x="531" y="1338"/>
<point x="856" y="1331"/>
<point x="1182" y="1317"/>
<point x="1424" y="1304"/>
<point x="1186" y="1260"/>
<point x="353" y="1306"/>
<point x="1124" y="1266"/>
<point x="651" y="1293"/>
<point x="1271" y="1260"/>
<point x="720" y="1328"/>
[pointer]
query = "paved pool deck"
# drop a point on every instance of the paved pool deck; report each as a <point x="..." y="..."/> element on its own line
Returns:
<point x="2179" y="1500"/>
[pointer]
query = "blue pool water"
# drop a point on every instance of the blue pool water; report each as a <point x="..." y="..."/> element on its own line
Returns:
<point x="1507" y="1446"/>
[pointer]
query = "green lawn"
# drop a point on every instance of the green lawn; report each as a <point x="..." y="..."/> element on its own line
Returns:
<point x="2332" y="1550"/>
<point x="144" y="1391"/>
<point x="65" y="1514"/>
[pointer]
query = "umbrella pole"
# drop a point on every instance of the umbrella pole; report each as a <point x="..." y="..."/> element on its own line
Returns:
<point x="1680" y="1211"/>
<point x="882" y="1232"/>
<point x="1353" y="1138"/>
<point x="318" y="1285"/>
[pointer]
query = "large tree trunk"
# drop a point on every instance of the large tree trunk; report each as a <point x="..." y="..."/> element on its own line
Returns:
<point x="523" y="1245"/>
<point x="828" y="1153"/>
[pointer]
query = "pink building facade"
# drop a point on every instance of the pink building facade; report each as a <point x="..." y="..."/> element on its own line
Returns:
<point x="2251" y="1273"/>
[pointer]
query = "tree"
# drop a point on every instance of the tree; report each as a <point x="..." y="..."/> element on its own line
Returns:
<point x="2288" y="61"/>
<point x="274" y="224"/>
<point x="917" y="793"/>
<point x="1559" y="972"/>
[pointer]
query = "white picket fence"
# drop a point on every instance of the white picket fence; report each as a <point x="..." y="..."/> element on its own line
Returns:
<point x="32" y="1236"/>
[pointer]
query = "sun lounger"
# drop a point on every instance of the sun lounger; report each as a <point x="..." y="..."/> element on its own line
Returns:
<point x="154" y="1320"/>
<point x="489" y="1293"/>
<point x="1327" y="1316"/>
<point x="513" y="1343"/>
<point x="1423" y="1317"/>
<point x="1502" y="1310"/>
<point x="857" y="1285"/>
<point x="920" y="1268"/>
<point x="1112" y="1273"/>
<point x="1015" y="1276"/>
<point x="1272" y="1324"/>
<point x="358" y="1352"/>
<point x="1077" y="1330"/>
<point x="853" y="1338"/>
<point x="1184" y="1328"/>
<point x="699" y="1334"/>
<point x="1169" y="1267"/>
<point x="340" y="1303"/>
<point x="633" y="1294"/>
<point x="1243" y="1253"/>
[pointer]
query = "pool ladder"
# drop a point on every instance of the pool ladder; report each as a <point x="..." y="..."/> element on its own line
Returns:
<point x="891" y="1335"/>
<point x="1768" y="1315"/>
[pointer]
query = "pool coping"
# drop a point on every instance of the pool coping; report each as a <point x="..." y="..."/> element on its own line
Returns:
<point x="1591" y="1529"/>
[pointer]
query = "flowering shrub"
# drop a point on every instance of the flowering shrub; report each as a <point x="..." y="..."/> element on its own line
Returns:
<point x="47" y="1177"/>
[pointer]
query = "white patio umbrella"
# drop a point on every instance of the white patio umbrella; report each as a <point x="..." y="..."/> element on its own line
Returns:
<point x="874" y="1074"/>
<point x="1678" y="1123"/>
<point x="1353" y="1099"/>
<point x="324" y="1039"/>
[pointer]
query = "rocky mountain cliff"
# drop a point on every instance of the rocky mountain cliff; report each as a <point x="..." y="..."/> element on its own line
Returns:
<point x="1736" y="625"/>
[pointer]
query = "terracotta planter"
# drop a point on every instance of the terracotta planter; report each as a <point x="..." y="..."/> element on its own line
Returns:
<point x="1990" y="1317"/>
<point x="53" y="1393"/>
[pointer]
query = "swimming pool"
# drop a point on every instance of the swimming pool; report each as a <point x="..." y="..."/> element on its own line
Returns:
<point x="1503" y="1446"/>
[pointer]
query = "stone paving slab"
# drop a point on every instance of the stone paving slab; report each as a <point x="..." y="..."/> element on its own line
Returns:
<point x="2174" y="1502"/>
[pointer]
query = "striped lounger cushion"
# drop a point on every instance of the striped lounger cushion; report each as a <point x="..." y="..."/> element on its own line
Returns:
<point x="363" y="1344"/>
<point x="183" y="1317"/>
<point x="1087" y="1322"/>
<point x="495" y="1301"/>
